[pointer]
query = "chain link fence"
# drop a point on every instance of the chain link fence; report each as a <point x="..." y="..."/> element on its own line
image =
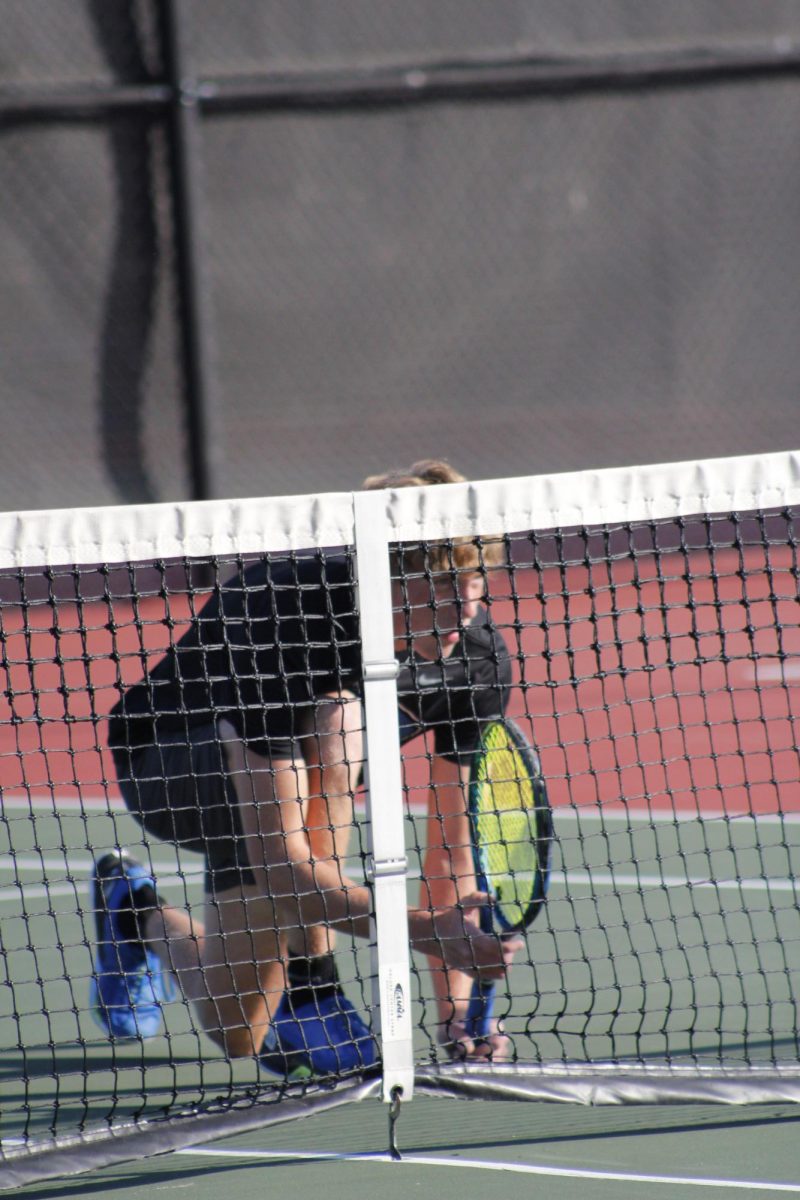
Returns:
<point x="271" y="248"/>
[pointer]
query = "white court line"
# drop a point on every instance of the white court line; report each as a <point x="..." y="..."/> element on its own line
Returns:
<point x="607" y="879"/>
<point x="85" y="866"/>
<point x="613" y="811"/>
<point x="13" y="891"/>
<point x="420" y="1160"/>
<point x="114" y="805"/>
<point x="770" y="670"/>
<point x="617" y="812"/>
<point x="192" y="872"/>
<point x="95" y="801"/>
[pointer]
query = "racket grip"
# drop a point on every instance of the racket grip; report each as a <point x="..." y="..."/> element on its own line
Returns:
<point x="481" y="1001"/>
<point x="481" y="1009"/>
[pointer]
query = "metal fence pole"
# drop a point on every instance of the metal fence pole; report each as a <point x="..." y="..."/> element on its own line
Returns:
<point x="190" y="249"/>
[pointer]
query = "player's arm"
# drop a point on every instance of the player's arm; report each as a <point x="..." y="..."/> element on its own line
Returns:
<point x="474" y="684"/>
<point x="475" y="687"/>
<point x="453" y="936"/>
<point x="308" y="891"/>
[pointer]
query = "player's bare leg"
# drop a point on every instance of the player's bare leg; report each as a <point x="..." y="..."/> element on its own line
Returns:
<point x="230" y="964"/>
<point x="295" y="819"/>
<point x="333" y="752"/>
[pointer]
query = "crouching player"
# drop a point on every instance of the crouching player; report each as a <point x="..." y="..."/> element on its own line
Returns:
<point x="245" y="742"/>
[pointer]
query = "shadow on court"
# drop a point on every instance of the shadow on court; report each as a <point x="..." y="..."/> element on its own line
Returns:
<point x="134" y="1179"/>
<point x="41" y="1065"/>
<point x="605" y="1128"/>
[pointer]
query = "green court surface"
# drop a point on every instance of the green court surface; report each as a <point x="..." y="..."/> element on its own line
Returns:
<point x="464" y="1149"/>
<point x="653" y="917"/>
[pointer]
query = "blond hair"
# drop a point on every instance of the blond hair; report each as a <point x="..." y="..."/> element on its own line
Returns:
<point x="460" y="553"/>
<point x="419" y="474"/>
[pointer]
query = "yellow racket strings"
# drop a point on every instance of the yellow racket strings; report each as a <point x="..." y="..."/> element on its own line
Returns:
<point x="506" y="824"/>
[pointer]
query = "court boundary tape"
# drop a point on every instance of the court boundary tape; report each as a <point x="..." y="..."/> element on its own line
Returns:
<point x="188" y="874"/>
<point x="422" y="1160"/>
<point x="634" y="814"/>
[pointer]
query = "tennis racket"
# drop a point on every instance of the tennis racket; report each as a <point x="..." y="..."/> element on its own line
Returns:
<point x="512" y="840"/>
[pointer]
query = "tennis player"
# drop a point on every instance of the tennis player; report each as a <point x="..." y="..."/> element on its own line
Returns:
<point x="245" y="743"/>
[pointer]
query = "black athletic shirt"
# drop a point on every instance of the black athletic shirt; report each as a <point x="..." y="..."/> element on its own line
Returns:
<point x="285" y="631"/>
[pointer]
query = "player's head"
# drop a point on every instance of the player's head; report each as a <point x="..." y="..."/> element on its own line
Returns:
<point x="438" y="584"/>
<point x="419" y="474"/>
<point x="462" y="554"/>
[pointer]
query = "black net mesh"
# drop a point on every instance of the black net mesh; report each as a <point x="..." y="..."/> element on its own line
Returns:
<point x="98" y="842"/>
<point x="183" y="820"/>
<point x="653" y="669"/>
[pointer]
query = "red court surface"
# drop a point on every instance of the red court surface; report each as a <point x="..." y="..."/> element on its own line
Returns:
<point x="672" y="693"/>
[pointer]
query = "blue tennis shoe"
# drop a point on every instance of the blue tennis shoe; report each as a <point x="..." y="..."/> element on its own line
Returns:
<point x="319" y="1035"/>
<point x="129" y="985"/>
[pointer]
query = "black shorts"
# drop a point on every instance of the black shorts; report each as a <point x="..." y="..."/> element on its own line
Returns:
<point x="181" y="791"/>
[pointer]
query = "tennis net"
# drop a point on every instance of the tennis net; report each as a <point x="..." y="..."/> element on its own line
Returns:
<point x="640" y="627"/>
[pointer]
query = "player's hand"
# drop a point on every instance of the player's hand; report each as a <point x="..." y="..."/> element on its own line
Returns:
<point x="462" y="944"/>
<point x="460" y="1046"/>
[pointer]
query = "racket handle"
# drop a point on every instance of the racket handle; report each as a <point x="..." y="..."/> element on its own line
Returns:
<point x="481" y="1009"/>
<point x="481" y="1002"/>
